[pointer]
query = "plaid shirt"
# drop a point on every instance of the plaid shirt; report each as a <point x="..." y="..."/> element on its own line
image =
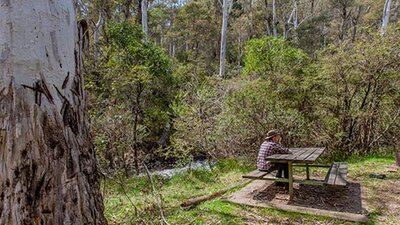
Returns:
<point x="269" y="148"/>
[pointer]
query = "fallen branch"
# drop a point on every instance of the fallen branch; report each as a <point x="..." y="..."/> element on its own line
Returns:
<point x="200" y="199"/>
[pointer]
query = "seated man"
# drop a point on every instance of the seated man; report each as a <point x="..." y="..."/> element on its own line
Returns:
<point x="272" y="146"/>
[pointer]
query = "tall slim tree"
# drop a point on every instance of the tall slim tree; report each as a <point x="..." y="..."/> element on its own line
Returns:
<point x="274" y="19"/>
<point x="144" y="17"/>
<point x="96" y="35"/>
<point x="48" y="171"/>
<point x="224" y="31"/>
<point x="386" y="16"/>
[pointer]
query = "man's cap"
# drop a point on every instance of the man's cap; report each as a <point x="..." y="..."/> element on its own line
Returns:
<point x="271" y="134"/>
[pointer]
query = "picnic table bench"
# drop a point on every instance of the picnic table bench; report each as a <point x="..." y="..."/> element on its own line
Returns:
<point x="304" y="157"/>
<point x="337" y="174"/>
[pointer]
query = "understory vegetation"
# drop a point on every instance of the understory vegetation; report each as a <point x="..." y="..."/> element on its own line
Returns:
<point x="171" y="82"/>
<point x="147" y="106"/>
<point x="132" y="201"/>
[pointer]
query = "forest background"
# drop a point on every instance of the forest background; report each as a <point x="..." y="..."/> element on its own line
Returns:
<point x="175" y="81"/>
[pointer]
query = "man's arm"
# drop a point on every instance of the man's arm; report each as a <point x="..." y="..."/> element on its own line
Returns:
<point x="279" y="149"/>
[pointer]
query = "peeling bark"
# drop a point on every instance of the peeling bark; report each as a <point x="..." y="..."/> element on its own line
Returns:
<point x="47" y="163"/>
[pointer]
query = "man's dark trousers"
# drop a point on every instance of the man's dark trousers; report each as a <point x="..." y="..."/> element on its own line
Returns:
<point x="282" y="167"/>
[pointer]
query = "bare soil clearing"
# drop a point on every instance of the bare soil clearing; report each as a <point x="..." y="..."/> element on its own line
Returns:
<point x="342" y="203"/>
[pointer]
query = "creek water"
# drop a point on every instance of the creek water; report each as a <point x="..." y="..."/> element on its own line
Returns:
<point x="168" y="173"/>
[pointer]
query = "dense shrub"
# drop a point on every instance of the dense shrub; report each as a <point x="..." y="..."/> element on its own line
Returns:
<point x="135" y="95"/>
<point x="251" y="109"/>
<point x="195" y="108"/>
<point x="269" y="55"/>
<point x="360" y="101"/>
<point x="348" y="100"/>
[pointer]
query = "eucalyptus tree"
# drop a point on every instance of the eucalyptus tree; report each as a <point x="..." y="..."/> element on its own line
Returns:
<point x="96" y="35"/>
<point x="386" y="16"/>
<point x="224" y="32"/>
<point x="47" y="167"/>
<point x="144" y="17"/>
<point x="274" y="19"/>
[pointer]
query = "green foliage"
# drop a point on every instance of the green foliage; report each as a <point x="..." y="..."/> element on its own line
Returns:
<point x="195" y="109"/>
<point x="361" y="93"/>
<point x="136" y="87"/>
<point x="269" y="55"/>
<point x="250" y="110"/>
<point x="194" y="34"/>
<point x="144" y="102"/>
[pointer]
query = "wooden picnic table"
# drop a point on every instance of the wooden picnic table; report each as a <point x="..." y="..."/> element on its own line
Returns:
<point x="304" y="156"/>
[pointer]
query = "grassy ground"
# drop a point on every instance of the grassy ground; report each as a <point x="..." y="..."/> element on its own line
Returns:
<point x="132" y="201"/>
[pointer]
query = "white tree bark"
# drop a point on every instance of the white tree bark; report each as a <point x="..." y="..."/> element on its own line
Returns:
<point x="287" y="24"/>
<point x="274" y="19"/>
<point x="385" y="17"/>
<point x="47" y="163"/>
<point x="144" y="17"/>
<point x="173" y="48"/>
<point x="96" y="35"/>
<point x="295" y="22"/>
<point x="224" y="33"/>
<point x="296" y="15"/>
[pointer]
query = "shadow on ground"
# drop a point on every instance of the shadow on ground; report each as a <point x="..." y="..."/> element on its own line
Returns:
<point x="339" y="199"/>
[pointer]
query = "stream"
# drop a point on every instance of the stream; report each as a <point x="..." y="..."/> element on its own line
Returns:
<point x="168" y="173"/>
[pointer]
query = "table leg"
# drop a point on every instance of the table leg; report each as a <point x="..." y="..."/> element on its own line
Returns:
<point x="290" y="180"/>
<point x="308" y="171"/>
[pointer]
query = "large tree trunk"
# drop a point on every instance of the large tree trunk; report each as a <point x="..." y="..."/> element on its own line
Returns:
<point x="224" y="31"/>
<point x="48" y="172"/>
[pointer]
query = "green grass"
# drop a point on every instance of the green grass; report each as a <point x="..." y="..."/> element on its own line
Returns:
<point x="138" y="205"/>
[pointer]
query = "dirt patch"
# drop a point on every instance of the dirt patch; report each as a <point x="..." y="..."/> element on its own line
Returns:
<point x="345" y="204"/>
<point x="339" y="199"/>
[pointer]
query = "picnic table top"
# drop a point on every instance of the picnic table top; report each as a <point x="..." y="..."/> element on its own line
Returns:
<point x="300" y="155"/>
